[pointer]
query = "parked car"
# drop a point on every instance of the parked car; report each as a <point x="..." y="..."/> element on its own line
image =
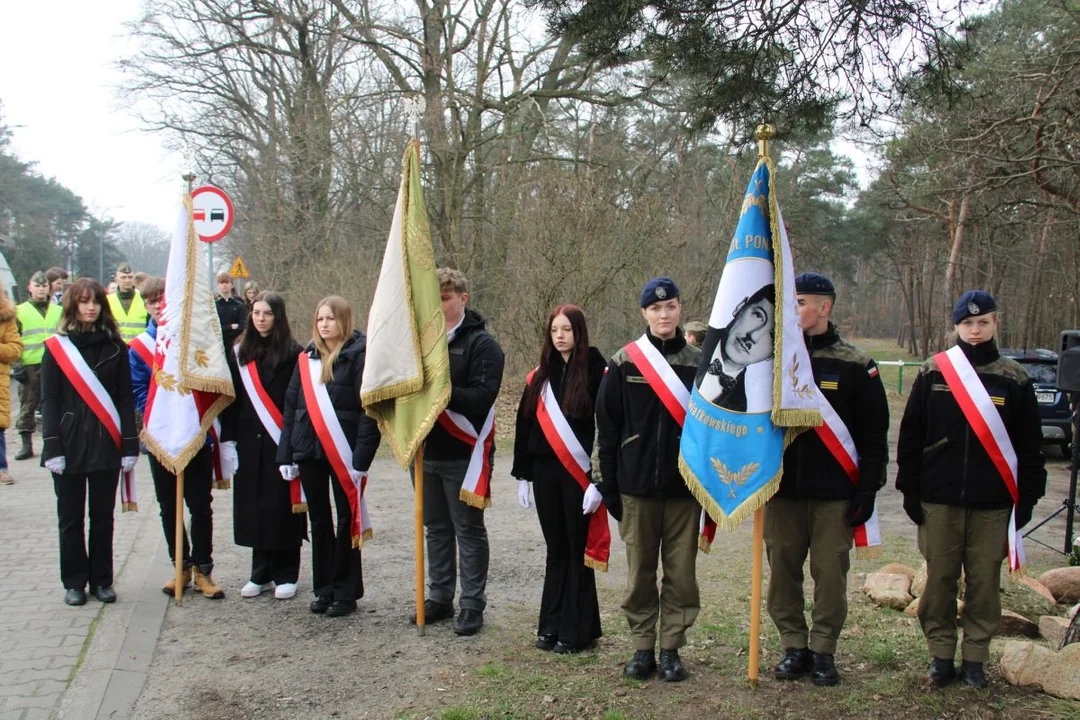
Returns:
<point x="1041" y="367"/>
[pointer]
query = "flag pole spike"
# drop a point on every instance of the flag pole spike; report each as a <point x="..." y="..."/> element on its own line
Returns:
<point x="189" y="178"/>
<point x="765" y="132"/>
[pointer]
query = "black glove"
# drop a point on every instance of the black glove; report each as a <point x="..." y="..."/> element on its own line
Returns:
<point x="613" y="502"/>
<point x="860" y="508"/>
<point x="913" y="508"/>
<point x="1023" y="515"/>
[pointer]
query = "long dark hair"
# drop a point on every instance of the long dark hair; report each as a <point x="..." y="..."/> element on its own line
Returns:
<point x="253" y="347"/>
<point x="575" y="401"/>
<point x="83" y="290"/>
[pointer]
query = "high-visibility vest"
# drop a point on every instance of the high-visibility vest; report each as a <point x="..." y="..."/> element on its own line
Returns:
<point x="35" y="329"/>
<point x="133" y="322"/>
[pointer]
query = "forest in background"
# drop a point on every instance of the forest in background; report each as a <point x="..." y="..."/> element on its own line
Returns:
<point x="562" y="169"/>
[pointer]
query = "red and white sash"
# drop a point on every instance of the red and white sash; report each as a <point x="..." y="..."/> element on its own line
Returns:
<point x="97" y="398"/>
<point x="985" y="420"/>
<point x="336" y="446"/>
<point x="560" y="436"/>
<point x="837" y="439"/>
<point x="661" y="377"/>
<point x="476" y="488"/>
<point x="143" y="345"/>
<point x="270" y="417"/>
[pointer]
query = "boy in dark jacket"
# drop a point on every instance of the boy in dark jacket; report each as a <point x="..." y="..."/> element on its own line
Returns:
<point x="476" y="368"/>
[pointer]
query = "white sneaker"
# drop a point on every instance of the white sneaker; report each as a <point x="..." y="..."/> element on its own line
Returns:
<point x="284" y="591"/>
<point x="254" y="589"/>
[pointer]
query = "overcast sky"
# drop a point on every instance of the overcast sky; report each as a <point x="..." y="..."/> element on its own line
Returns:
<point x="58" y="94"/>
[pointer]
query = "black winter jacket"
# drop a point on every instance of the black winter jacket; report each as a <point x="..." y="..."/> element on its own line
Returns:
<point x="476" y="369"/>
<point x="70" y="428"/>
<point x="231" y="311"/>
<point x="849" y="380"/>
<point x="638" y="438"/>
<point x="530" y="444"/>
<point x="939" y="457"/>
<point x="298" y="439"/>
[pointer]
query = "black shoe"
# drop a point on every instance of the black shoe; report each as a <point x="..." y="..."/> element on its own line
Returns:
<point x="671" y="667"/>
<point x="563" y="648"/>
<point x="341" y="608"/>
<point x="641" y="666"/>
<point x="434" y="612"/>
<point x="823" y="670"/>
<point x="104" y="594"/>
<point x="942" y="671"/>
<point x="469" y="622"/>
<point x="74" y="596"/>
<point x="794" y="664"/>
<point x="972" y="674"/>
<point x="27" y="450"/>
<point x="546" y="642"/>
<point x="320" y="605"/>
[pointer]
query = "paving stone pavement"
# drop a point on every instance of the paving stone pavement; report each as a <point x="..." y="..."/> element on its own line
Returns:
<point x="43" y="641"/>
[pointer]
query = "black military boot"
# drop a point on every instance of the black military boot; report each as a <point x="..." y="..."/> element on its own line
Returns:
<point x="823" y="670"/>
<point x="27" y="450"/>
<point x="641" y="666"/>
<point x="972" y="674"/>
<point x="942" y="671"/>
<point x="793" y="665"/>
<point x="671" y="667"/>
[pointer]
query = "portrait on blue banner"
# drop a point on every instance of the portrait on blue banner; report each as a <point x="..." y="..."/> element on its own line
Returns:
<point x="746" y="340"/>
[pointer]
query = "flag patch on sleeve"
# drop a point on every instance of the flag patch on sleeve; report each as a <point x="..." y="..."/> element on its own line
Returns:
<point x="872" y="371"/>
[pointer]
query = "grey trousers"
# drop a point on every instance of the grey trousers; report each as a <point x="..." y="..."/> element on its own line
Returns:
<point x="456" y="536"/>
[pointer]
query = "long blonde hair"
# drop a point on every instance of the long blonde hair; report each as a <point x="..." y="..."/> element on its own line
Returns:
<point x="343" y="315"/>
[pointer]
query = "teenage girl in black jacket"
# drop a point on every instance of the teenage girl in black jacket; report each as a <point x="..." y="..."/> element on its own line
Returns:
<point x="336" y="568"/>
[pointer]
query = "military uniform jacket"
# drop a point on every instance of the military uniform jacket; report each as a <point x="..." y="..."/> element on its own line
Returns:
<point x="939" y="457"/>
<point x="849" y="380"/>
<point x="638" y="437"/>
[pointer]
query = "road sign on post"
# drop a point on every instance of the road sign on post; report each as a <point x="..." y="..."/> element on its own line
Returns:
<point x="212" y="211"/>
<point x="239" y="269"/>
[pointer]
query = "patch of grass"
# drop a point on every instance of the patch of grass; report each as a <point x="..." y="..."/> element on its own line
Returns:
<point x="492" y="670"/>
<point x="614" y="715"/>
<point x="458" y="713"/>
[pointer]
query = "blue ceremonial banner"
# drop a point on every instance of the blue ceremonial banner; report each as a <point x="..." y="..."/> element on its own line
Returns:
<point x="745" y="407"/>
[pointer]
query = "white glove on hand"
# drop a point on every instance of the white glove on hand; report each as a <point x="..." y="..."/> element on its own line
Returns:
<point x="592" y="500"/>
<point x="56" y="465"/>
<point x="288" y="472"/>
<point x="523" y="494"/>
<point x="355" y="475"/>
<point x="127" y="464"/>
<point x="230" y="461"/>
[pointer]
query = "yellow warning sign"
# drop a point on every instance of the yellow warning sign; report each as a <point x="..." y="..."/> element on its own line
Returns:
<point x="238" y="269"/>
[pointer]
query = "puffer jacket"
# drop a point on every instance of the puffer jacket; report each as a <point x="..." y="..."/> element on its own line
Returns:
<point x="939" y="458"/>
<point x="10" y="350"/>
<point x="70" y="428"/>
<point x="298" y="439"/>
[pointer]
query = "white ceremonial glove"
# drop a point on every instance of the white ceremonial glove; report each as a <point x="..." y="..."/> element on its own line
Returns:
<point x="355" y="476"/>
<point x="127" y="464"/>
<point x="230" y="461"/>
<point x="523" y="494"/>
<point x="289" y="472"/>
<point x="592" y="500"/>
<point x="56" y="465"/>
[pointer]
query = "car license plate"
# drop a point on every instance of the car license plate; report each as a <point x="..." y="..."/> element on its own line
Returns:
<point x="1046" y="398"/>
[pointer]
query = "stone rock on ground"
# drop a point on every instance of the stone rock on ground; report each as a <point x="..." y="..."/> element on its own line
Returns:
<point x="913" y="608"/>
<point x="898" y="569"/>
<point x="1016" y="624"/>
<point x="1063" y="582"/>
<point x="1052" y="629"/>
<point x="918" y="582"/>
<point x="888" y="590"/>
<point x="1024" y="600"/>
<point x="1039" y="588"/>
<point x="1058" y="674"/>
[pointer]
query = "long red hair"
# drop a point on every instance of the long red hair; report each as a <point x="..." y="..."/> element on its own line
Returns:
<point x="575" y="401"/>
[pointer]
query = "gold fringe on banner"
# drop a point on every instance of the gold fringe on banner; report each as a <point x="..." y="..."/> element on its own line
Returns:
<point x="474" y="500"/>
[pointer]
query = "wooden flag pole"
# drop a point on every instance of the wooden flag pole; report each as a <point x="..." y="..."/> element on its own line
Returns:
<point x="755" y="596"/>
<point x="178" y="547"/>
<point x="418" y="506"/>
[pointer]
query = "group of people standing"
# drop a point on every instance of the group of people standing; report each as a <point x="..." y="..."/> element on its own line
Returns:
<point x="303" y="442"/>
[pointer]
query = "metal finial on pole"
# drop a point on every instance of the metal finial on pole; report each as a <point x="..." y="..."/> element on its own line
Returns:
<point x="414" y="110"/>
<point x="189" y="178"/>
<point x="765" y="132"/>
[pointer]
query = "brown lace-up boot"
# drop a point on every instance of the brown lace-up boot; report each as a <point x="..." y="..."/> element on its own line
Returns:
<point x="205" y="584"/>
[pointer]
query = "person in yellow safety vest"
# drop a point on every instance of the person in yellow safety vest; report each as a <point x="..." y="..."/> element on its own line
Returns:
<point x="127" y="304"/>
<point x="36" y="320"/>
